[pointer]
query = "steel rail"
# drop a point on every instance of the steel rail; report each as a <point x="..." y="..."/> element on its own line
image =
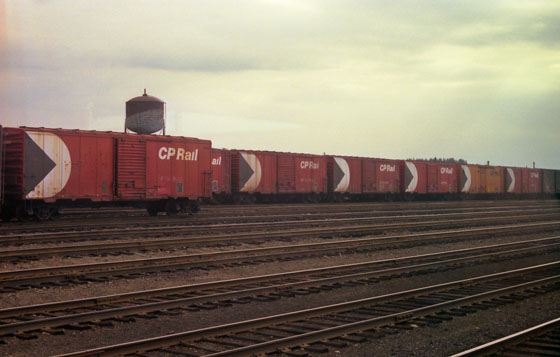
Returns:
<point x="188" y="229"/>
<point x="183" y="261"/>
<point x="325" y="229"/>
<point x="326" y="206"/>
<point x="229" y="238"/>
<point x="343" y="329"/>
<point x="415" y="264"/>
<point x="380" y="321"/>
<point x="155" y="264"/>
<point x="508" y="343"/>
<point x="383" y="205"/>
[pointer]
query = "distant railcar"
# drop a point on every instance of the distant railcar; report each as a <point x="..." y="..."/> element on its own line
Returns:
<point x="494" y="176"/>
<point x="472" y="180"/>
<point x="429" y="179"/>
<point x="302" y="176"/>
<point x="481" y="180"/>
<point x="254" y="175"/>
<point x="350" y="176"/>
<point x="358" y="178"/>
<point x="268" y="176"/>
<point x="531" y="181"/>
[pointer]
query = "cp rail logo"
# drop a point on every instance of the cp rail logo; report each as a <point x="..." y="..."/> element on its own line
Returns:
<point x="466" y="178"/>
<point x="387" y="168"/>
<point x="341" y="174"/>
<point x="510" y="180"/>
<point x="47" y="164"/>
<point x="305" y="164"/>
<point x="250" y="172"/>
<point x="410" y="176"/>
<point x="167" y="153"/>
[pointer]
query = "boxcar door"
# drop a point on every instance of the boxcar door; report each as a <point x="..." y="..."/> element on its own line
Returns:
<point x="286" y="174"/>
<point x="131" y="169"/>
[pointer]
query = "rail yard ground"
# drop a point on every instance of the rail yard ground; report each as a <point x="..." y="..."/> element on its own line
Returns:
<point x="350" y="279"/>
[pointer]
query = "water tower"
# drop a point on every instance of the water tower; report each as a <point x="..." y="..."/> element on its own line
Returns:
<point x="145" y="115"/>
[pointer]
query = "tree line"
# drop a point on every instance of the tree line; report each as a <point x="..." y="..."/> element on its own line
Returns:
<point x="449" y="160"/>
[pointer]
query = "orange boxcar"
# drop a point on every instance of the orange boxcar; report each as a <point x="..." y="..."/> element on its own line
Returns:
<point x="479" y="179"/>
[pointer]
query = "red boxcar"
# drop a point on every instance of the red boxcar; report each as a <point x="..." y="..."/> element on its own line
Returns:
<point x="348" y="175"/>
<point x="48" y="168"/>
<point x="50" y="165"/>
<point x="151" y="167"/>
<point x="345" y="175"/>
<point x="429" y="177"/>
<point x="301" y="174"/>
<point x="268" y="175"/>
<point x="254" y="172"/>
<point x="442" y="178"/>
<point x="531" y="181"/>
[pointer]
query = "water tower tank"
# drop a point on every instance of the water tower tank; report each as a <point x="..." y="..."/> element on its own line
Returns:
<point x="145" y="114"/>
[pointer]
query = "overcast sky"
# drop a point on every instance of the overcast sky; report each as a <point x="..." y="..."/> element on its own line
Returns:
<point x="478" y="80"/>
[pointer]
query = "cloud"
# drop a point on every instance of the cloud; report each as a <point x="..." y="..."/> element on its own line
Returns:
<point x="543" y="30"/>
<point x="477" y="80"/>
<point x="205" y="124"/>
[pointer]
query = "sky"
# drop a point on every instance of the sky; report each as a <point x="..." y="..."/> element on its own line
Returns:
<point x="477" y="80"/>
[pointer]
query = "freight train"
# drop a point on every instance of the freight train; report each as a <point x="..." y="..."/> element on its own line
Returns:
<point x="43" y="170"/>
<point x="264" y="176"/>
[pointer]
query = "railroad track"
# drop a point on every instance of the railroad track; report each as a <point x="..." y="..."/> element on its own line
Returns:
<point x="367" y="225"/>
<point x="243" y="217"/>
<point x="306" y="207"/>
<point x="260" y="217"/>
<point x="541" y="340"/>
<point x="335" y="326"/>
<point x="18" y="255"/>
<point x="103" y="310"/>
<point x="76" y="274"/>
<point x="56" y="317"/>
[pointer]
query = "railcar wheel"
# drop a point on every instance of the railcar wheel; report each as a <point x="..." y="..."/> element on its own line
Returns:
<point x="45" y="211"/>
<point x="338" y="198"/>
<point x="152" y="210"/>
<point x="21" y="213"/>
<point x="52" y="212"/>
<point x="194" y="206"/>
<point x="313" y="198"/>
<point x="172" y="207"/>
<point x="7" y="215"/>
